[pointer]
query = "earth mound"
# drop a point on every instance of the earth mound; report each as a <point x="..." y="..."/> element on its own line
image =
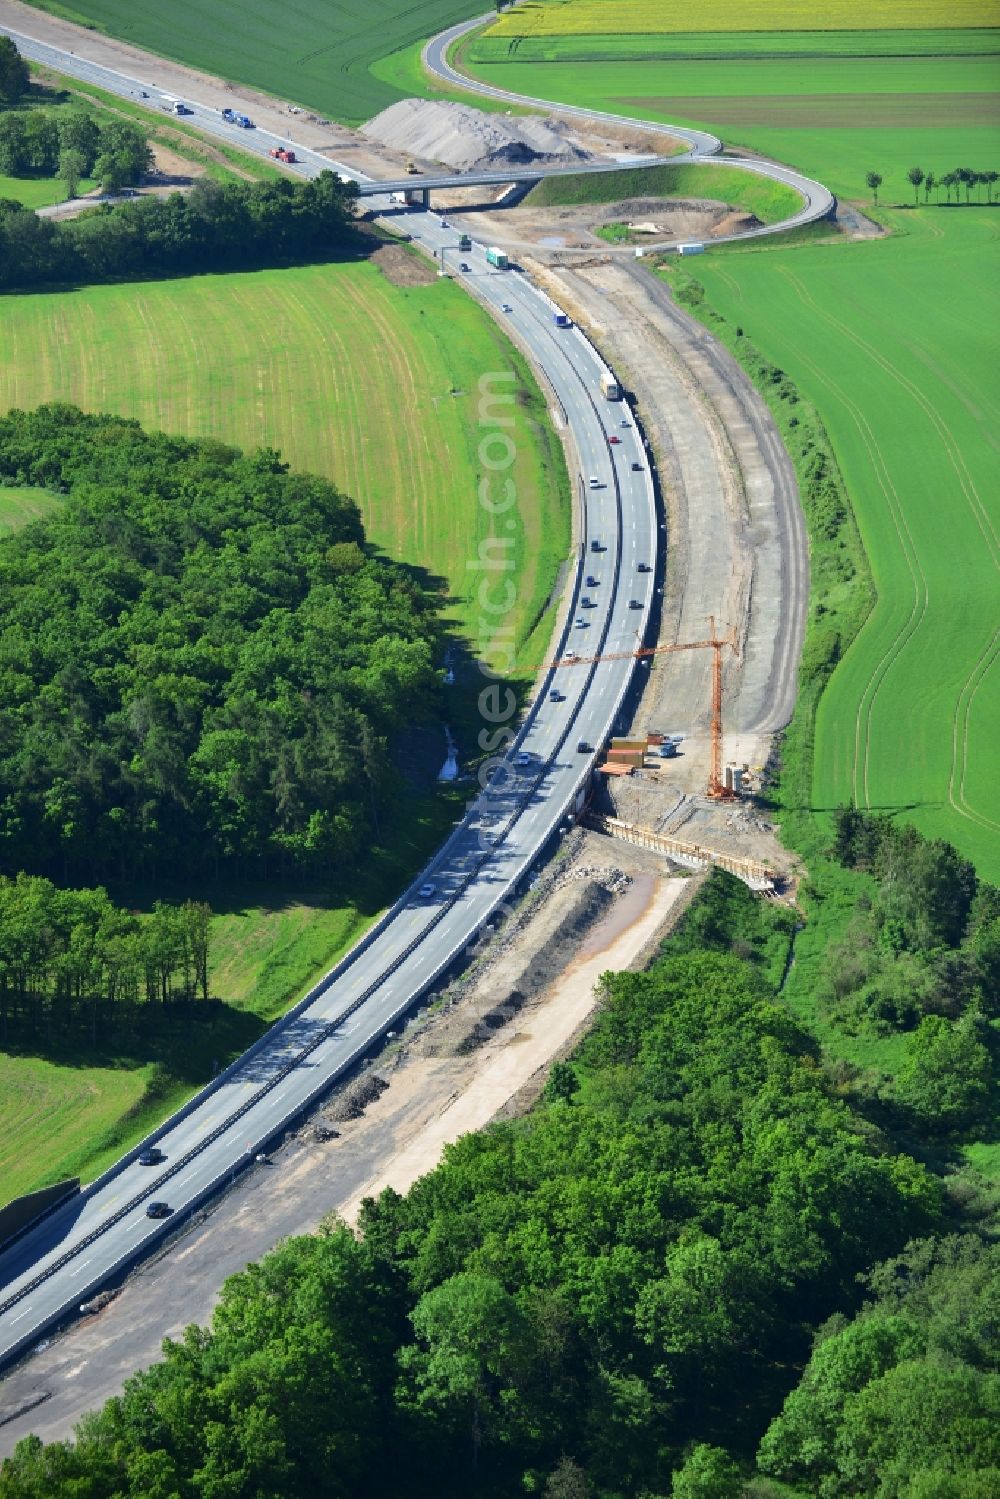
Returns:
<point x="464" y="139"/>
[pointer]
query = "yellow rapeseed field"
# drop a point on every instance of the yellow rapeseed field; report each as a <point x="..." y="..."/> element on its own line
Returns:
<point x="652" y="17"/>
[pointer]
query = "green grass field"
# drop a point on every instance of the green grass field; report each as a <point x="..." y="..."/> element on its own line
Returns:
<point x="318" y="53"/>
<point x="38" y="192"/>
<point x="700" y="46"/>
<point x="18" y="507"/>
<point x="770" y="201"/>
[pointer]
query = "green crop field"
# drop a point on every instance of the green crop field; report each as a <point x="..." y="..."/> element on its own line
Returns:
<point x="770" y="201"/>
<point x="893" y="341"/>
<point x="318" y="53"/>
<point x="835" y="118"/>
<point x="652" y="17"/>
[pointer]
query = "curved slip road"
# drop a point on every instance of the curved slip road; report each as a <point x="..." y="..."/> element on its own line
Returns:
<point x="817" y="201"/>
<point x="47" y="1272"/>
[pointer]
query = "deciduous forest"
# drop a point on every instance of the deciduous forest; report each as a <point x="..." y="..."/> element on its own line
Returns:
<point x="204" y="662"/>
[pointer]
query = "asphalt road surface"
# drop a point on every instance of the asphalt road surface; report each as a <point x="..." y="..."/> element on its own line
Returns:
<point x="51" y="1269"/>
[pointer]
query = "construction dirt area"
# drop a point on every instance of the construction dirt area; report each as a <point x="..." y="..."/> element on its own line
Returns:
<point x="481" y="1050"/>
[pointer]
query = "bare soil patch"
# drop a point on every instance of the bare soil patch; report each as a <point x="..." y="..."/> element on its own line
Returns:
<point x="403" y="267"/>
<point x="574" y="226"/>
<point x="829" y="111"/>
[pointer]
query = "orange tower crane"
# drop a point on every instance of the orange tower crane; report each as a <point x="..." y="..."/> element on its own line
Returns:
<point x="716" y="643"/>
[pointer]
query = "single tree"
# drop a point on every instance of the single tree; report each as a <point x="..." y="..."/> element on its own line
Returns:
<point x="930" y="183"/>
<point x="966" y="176"/>
<point x="707" y="1473"/>
<point x="13" y="72"/>
<point x="989" y="178"/>
<point x="874" y="181"/>
<point x="945" y="1079"/>
<point x="915" y="176"/>
<point x="71" y="168"/>
<point x="110" y="173"/>
<point x="79" y="131"/>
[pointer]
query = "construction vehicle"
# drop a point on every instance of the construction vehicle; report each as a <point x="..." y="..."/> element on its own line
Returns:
<point x="412" y="170"/>
<point x="497" y="258"/>
<point x="281" y="153"/>
<point x="244" y="122"/>
<point x="181" y="109"/>
<point x="562" y="320"/>
<point x="465" y="242"/>
<point x="229" y="115"/>
<point x="717" y="787"/>
<point x="610" y="389"/>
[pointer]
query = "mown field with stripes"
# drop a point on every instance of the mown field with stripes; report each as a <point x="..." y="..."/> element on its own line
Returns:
<point x="893" y="341"/>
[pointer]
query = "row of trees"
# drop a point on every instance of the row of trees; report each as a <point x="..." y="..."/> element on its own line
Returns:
<point x="952" y="182"/>
<point x="71" y="145"/>
<point x="216" y="226"/>
<point x="71" y="961"/>
<point x="594" y="1300"/>
<point x="204" y="664"/>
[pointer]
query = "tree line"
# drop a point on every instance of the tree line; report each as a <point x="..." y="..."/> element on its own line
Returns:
<point x="217" y="226"/>
<point x="612" y="1296"/>
<point x="72" y="145"/>
<point x="71" y="961"/>
<point x="952" y="182"/>
<point x="205" y="666"/>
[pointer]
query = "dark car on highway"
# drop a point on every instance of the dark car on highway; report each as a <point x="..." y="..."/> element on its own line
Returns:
<point x="151" y="1157"/>
<point x="158" y="1210"/>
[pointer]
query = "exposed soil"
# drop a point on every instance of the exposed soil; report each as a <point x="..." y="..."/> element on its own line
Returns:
<point x="462" y="137"/>
<point x="434" y="132"/>
<point x="403" y="268"/>
<point x="572" y="227"/>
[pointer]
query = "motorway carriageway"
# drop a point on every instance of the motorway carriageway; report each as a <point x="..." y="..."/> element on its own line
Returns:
<point x="46" y="1273"/>
<point x="51" y="1269"/>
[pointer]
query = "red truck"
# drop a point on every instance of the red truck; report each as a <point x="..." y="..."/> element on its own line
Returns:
<point x="282" y="153"/>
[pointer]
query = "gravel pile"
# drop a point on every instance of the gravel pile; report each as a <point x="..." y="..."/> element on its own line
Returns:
<point x="462" y="138"/>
